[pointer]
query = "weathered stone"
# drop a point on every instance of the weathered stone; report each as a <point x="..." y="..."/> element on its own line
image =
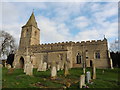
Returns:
<point x="53" y="72"/>
<point x="44" y="66"/>
<point x="94" y="72"/>
<point x="88" y="76"/>
<point x="40" y="66"/>
<point x="66" y="72"/>
<point x="82" y="80"/>
<point x="58" y="67"/>
<point x="29" y="69"/>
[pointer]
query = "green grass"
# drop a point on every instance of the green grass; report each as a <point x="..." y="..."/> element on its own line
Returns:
<point x="19" y="80"/>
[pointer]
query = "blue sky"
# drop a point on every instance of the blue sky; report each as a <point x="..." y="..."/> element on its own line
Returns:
<point x="65" y="21"/>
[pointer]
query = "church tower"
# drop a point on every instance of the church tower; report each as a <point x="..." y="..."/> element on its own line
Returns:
<point x="30" y="34"/>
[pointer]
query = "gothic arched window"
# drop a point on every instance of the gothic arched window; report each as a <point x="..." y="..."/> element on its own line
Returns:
<point x="78" y="58"/>
<point x="97" y="55"/>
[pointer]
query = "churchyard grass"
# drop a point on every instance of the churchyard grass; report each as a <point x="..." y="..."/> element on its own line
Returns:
<point x="42" y="79"/>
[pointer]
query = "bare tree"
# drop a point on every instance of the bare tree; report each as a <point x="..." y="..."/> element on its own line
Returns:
<point x="7" y="44"/>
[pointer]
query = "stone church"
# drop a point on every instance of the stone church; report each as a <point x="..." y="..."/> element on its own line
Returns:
<point x="76" y="54"/>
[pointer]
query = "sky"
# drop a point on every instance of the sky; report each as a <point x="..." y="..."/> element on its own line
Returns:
<point x="63" y="21"/>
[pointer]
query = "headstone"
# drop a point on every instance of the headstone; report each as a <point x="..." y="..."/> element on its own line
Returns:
<point x="8" y="66"/>
<point x="58" y="67"/>
<point x="88" y="76"/>
<point x="44" y="67"/>
<point x="66" y="72"/>
<point x="53" y="72"/>
<point x="94" y="72"/>
<point x="29" y="69"/>
<point x="49" y="66"/>
<point x="82" y="81"/>
<point x="40" y="66"/>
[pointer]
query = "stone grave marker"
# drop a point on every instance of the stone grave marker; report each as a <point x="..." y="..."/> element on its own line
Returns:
<point x="44" y="67"/>
<point x="29" y="69"/>
<point x="40" y="66"/>
<point x="66" y="71"/>
<point x="82" y="81"/>
<point x="58" y="67"/>
<point x="53" y="72"/>
<point x="93" y="72"/>
<point x="88" y="76"/>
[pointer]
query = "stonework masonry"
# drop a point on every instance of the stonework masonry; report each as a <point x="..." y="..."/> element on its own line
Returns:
<point x="75" y="53"/>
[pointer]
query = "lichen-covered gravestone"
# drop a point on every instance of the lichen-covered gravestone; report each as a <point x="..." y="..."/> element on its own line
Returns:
<point x="29" y="68"/>
<point x="82" y="81"/>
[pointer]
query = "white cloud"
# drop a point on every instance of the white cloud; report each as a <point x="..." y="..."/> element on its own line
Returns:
<point x="52" y="31"/>
<point x="81" y="22"/>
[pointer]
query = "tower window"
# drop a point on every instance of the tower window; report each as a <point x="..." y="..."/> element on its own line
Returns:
<point x="97" y="55"/>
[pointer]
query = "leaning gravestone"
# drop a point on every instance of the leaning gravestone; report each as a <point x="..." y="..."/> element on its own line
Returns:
<point x="88" y="76"/>
<point x="82" y="81"/>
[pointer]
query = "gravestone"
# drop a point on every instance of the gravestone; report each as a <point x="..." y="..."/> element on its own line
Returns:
<point x="88" y="76"/>
<point x="82" y="81"/>
<point x="66" y="72"/>
<point x="93" y="72"/>
<point x="29" y="69"/>
<point x="49" y="66"/>
<point x="53" y="72"/>
<point x="40" y="66"/>
<point x="58" y="67"/>
<point x="44" y="67"/>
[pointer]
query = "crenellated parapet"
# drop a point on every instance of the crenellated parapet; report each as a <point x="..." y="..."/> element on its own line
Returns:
<point x="64" y="45"/>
